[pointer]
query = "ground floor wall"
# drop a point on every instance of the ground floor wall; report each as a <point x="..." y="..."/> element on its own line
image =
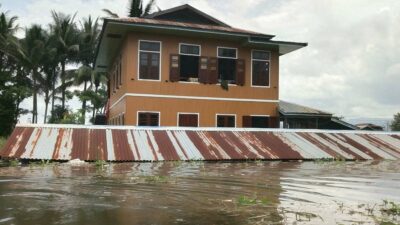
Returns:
<point x="207" y="110"/>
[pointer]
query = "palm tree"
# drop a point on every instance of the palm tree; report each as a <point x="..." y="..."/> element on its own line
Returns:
<point x="64" y="31"/>
<point x="89" y="36"/>
<point x="8" y="27"/>
<point x="49" y="79"/>
<point x="136" y="9"/>
<point x="33" y="52"/>
<point x="12" y="72"/>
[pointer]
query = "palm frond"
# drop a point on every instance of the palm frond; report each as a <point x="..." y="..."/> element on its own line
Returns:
<point x="110" y="13"/>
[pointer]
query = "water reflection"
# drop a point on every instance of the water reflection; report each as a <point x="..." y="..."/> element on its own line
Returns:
<point x="196" y="193"/>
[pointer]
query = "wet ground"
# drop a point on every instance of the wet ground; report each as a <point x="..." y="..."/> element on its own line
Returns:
<point x="202" y="193"/>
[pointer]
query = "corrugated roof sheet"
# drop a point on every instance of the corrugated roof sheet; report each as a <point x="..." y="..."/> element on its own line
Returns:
<point x="186" y="25"/>
<point x="292" y="108"/>
<point x="159" y="144"/>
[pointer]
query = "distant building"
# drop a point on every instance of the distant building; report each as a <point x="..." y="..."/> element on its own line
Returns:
<point x="295" y="116"/>
<point x="369" y="126"/>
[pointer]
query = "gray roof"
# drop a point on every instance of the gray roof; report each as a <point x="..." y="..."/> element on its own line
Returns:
<point x="186" y="6"/>
<point x="344" y="123"/>
<point x="288" y="108"/>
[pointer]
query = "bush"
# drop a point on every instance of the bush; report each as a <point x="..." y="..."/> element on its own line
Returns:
<point x="396" y="122"/>
<point x="2" y="142"/>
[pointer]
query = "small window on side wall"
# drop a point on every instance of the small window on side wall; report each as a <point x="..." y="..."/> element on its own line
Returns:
<point x="188" y="120"/>
<point x="149" y="60"/>
<point x="226" y="121"/>
<point x="260" y="68"/>
<point x="149" y="119"/>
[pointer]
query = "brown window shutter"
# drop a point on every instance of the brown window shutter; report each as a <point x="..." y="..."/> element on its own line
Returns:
<point x="203" y="70"/>
<point x="240" y="72"/>
<point x="247" y="122"/>
<point x="213" y="70"/>
<point x="174" y="73"/>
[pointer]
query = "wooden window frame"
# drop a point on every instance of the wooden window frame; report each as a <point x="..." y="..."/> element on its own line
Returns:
<point x="187" y="113"/>
<point x="155" y="112"/>
<point x="260" y="60"/>
<point x="220" y="114"/>
<point x="160" y="63"/>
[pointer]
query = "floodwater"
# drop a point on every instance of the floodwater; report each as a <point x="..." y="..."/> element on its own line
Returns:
<point x="200" y="193"/>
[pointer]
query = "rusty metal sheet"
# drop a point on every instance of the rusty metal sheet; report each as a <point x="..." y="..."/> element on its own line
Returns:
<point x="67" y="142"/>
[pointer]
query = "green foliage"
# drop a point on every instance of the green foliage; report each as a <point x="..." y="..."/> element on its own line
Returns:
<point x="3" y="141"/>
<point x="248" y="201"/>
<point x="136" y="9"/>
<point x="100" y="163"/>
<point x="396" y="123"/>
<point x="390" y="208"/>
<point x="36" y="65"/>
<point x="225" y="85"/>
<point x="65" y="116"/>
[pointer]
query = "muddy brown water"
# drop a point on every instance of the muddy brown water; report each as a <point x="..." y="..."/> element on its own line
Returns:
<point x="200" y="193"/>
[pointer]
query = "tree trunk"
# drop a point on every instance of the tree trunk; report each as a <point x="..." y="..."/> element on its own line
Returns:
<point x="84" y="104"/>
<point x="94" y="108"/>
<point x="53" y="87"/>
<point x="63" y="89"/>
<point x="34" y="107"/>
<point x="46" y="101"/>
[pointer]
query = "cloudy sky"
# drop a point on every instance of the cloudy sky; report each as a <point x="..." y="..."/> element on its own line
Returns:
<point x="351" y="66"/>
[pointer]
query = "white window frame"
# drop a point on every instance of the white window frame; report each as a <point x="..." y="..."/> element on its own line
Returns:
<point x="187" y="113"/>
<point x="222" y="57"/>
<point x="138" y="64"/>
<point x="157" y="112"/>
<point x="180" y="46"/>
<point x="224" y="114"/>
<point x="260" y="60"/>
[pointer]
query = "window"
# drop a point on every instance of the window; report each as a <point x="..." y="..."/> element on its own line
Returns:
<point x="149" y="60"/>
<point x="227" y="58"/>
<point x="188" y="120"/>
<point x="260" y="68"/>
<point x="189" y="56"/>
<point x="150" y="119"/>
<point x="226" y="121"/>
<point x="256" y="121"/>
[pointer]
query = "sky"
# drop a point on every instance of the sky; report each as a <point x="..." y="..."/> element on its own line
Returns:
<point x="350" y="68"/>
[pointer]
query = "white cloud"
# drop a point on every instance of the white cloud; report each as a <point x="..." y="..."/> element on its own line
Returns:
<point x="351" y="66"/>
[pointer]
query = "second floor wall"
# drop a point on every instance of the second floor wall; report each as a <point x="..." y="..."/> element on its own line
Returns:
<point x="187" y="66"/>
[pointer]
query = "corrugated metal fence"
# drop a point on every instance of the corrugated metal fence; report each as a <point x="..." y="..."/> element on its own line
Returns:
<point x="61" y="142"/>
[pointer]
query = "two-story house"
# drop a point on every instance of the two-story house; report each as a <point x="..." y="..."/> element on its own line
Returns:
<point x="182" y="67"/>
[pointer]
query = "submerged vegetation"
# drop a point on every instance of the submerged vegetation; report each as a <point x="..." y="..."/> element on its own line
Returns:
<point x="248" y="201"/>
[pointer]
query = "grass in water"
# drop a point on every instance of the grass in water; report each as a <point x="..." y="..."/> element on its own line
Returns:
<point x="390" y="208"/>
<point x="248" y="201"/>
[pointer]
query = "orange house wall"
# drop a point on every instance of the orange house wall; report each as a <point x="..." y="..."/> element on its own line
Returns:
<point x="170" y="107"/>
